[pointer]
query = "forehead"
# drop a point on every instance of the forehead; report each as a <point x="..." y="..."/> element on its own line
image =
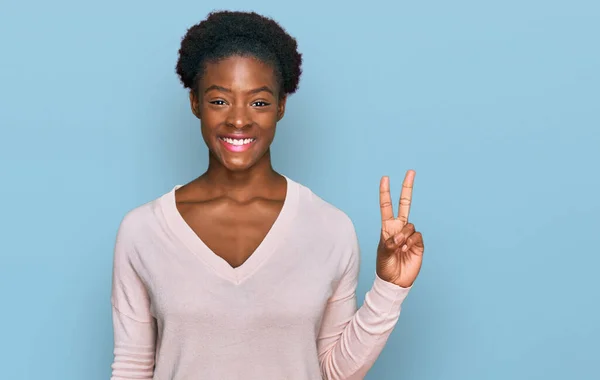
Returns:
<point x="238" y="72"/>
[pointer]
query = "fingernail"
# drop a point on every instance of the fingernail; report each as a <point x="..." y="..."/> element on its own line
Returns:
<point x="404" y="248"/>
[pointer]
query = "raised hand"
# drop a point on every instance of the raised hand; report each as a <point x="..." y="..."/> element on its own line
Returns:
<point x="400" y="249"/>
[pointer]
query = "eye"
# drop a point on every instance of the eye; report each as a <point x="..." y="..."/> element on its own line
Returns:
<point x="261" y="103"/>
<point x="218" y="102"/>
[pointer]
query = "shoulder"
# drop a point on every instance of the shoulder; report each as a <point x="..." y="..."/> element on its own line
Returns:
<point x="142" y="220"/>
<point x="324" y="215"/>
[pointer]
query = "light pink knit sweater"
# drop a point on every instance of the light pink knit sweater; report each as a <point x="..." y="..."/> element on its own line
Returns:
<point x="180" y="312"/>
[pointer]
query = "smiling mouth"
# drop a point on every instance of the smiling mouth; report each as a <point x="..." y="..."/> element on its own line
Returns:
<point x="237" y="142"/>
<point x="237" y="145"/>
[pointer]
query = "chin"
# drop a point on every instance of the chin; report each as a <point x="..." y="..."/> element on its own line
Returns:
<point x="238" y="167"/>
<point x="236" y="162"/>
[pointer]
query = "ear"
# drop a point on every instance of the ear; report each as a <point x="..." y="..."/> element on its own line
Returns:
<point x="194" y="104"/>
<point x="281" y="107"/>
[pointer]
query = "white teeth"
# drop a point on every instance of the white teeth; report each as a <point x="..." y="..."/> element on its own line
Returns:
<point x="237" y="141"/>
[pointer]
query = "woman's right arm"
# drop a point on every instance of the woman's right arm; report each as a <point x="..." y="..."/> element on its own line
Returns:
<point x="134" y="326"/>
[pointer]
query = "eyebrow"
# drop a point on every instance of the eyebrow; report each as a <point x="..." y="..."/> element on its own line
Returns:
<point x="254" y="91"/>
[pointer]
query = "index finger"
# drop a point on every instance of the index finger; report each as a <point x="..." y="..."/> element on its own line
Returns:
<point x="385" y="200"/>
<point x="406" y="196"/>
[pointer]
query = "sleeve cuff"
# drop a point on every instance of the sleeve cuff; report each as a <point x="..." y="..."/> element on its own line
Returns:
<point x="382" y="306"/>
<point x="386" y="293"/>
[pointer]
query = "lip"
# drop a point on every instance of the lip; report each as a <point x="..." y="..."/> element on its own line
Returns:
<point x="236" y="148"/>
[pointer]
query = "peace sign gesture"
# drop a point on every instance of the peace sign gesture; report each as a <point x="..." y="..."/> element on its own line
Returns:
<point x="400" y="250"/>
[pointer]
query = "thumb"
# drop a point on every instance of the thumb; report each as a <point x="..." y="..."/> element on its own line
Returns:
<point x="389" y="245"/>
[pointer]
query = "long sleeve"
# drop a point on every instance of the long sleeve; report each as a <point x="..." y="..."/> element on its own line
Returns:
<point x="133" y="325"/>
<point x="350" y="340"/>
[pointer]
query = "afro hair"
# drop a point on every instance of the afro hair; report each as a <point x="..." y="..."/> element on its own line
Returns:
<point x="227" y="33"/>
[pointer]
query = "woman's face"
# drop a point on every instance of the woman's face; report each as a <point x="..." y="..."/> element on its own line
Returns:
<point x="238" y="106"/>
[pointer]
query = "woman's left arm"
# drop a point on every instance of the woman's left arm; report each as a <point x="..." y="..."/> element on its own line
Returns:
<point x="350" y="340"/>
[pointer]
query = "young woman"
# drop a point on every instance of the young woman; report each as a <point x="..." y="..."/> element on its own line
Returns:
<point x="244" y="273"/>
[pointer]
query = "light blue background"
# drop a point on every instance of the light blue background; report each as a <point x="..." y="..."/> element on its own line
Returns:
<point x="494" y="104"/>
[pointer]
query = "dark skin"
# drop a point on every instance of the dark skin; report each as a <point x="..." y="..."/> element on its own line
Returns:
<point x="232" y="206"/>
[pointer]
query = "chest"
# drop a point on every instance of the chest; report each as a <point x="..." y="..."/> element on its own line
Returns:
<point x="290" y="290"/>
<point x="232" y="231"/>
<point x="287" y="282"/>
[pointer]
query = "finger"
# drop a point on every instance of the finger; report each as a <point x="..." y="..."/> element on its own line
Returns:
<point x="415" y="240"/>
<point x="389" y="245"/>
<point x="400" y="237"/>
<point x="385" y="200"/>
<point x="404" y="234"/>
<point x="406" y="196"/>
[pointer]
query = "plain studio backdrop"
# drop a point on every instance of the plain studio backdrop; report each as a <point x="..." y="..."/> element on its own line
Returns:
<point x="494" y="104"/>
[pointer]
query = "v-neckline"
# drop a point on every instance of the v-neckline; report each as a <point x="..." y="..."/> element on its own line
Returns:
<point x="183" y="232"/>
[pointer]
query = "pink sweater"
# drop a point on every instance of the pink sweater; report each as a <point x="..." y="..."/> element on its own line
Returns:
<point x="180" y="312"/>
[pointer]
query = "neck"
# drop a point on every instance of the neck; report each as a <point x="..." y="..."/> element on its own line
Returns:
<point x="259" y="178"/>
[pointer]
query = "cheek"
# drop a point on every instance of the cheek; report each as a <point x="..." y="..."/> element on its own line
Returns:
<point x="209" y="116"/>
<point x="209" y="123"/>
<point x="267" y="134"/>
<point x="266" y="122"/>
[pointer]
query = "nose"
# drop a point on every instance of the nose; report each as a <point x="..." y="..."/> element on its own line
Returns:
<point x="239" y="117"/>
